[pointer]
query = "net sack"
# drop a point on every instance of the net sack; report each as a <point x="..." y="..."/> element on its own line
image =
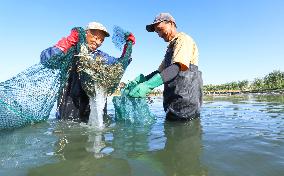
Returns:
<point x="134" y="110"/>
<point x="29" y="97"/>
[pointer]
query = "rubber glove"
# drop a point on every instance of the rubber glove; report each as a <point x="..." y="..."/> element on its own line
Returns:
<point x="131" y="38"/>
<point x="144" y="88"/>
<point x="65" y="43"/>
<point x="139" y="79"/>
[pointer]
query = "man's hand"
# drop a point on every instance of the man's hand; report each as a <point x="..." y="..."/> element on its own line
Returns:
<point x="140" y="91"/>
<point x="139" y="79"/>
<point x="65" y="43"/>
<point x="128" y="37"/>
<point x="131" y="38"/>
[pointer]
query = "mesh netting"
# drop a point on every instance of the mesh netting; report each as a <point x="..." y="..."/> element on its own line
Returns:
<point x="25" y="99"/>
<point x="134" y="110"/>
<point x="118" y="37"/>
<point x="29" y="96"/>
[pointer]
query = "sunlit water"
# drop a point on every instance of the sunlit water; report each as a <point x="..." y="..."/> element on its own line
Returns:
<point x="240" y="135"/>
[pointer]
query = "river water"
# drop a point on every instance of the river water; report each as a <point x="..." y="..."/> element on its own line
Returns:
<point x="236" y="135"/>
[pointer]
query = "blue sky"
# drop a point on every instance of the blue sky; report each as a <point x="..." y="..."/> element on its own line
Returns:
<point x="237" y="39"/>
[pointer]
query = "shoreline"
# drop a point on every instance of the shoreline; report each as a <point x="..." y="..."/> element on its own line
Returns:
<point x="239" y="92"/>
<point x="228" y="93"/>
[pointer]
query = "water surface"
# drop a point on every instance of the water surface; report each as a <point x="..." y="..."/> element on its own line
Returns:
<point x="236" y="135"/>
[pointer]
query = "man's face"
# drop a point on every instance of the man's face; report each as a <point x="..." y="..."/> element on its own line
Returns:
<point x="163" y="29"/>
<point x="95" y="38"/>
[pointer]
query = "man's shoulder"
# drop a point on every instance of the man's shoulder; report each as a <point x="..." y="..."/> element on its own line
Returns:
<point x="184" y="36"/>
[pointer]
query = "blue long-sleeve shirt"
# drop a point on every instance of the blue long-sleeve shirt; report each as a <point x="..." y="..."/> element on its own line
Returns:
<point x="109" y="60"/>
<point x="54" y="52"/>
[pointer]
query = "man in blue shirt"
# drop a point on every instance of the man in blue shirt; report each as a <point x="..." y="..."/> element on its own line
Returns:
<point x="73" y="103"/>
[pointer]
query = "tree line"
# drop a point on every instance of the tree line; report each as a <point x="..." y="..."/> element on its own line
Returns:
<point x="271" y="81"/>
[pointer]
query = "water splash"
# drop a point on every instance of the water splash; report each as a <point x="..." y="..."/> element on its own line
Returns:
<point x="97" y="104"/>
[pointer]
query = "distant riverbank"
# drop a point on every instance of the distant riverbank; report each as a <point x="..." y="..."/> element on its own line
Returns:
<point x="234" y="92"/>
<point x="226" y="92"/>
<point x="272" y="83"/>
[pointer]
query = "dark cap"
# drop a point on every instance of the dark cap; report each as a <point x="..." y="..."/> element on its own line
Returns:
<point x="159" y="18"/>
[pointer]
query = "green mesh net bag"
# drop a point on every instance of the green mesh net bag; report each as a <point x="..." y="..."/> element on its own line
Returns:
<point x="29" y="97"/>
<point x="133" y="110"/>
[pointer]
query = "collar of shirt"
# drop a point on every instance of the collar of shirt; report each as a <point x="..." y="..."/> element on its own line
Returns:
<point x="176" y="36"/>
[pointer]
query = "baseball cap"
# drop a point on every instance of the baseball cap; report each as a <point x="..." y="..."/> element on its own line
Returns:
<point x="159" y="18"/>
<point x="98" y="26"/>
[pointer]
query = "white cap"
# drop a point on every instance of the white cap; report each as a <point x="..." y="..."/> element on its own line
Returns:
<point x="98" y="26"/>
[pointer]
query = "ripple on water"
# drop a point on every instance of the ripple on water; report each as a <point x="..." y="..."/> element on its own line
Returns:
<point x="244" y="136"/>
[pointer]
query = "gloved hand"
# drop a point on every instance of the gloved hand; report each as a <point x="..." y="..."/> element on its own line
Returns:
<point x="131" y="38"/>
<point x="142" y="89"/>
<point x="139" y="79"/>
<point x="128" y="37"/>
<point x="65" y="43"/>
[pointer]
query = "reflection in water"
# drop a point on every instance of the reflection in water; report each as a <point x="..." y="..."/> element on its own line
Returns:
<point x="174" y="151"/>
<point x="80" y="152"/>
<point x="85" y="151"/>
<point x="183" y="149"/>
<point x="269" y="98"/>
<point x="128" y="149"/>
<point x="97" y="144"/>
